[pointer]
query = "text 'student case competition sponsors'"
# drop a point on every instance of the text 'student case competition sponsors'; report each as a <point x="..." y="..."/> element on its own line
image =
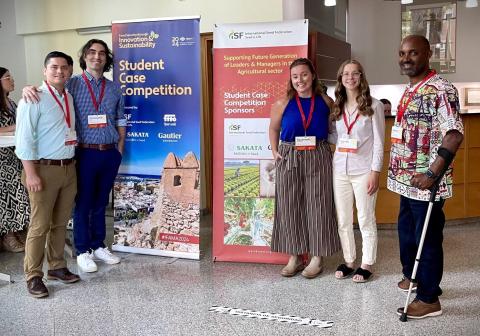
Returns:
<point x="251" y="72"/>
<point x="157" y="193"/>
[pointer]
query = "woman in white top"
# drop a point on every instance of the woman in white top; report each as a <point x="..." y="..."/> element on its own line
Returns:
<point x="358" y="132"/>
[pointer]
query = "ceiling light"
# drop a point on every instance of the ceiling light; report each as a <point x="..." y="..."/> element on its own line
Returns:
<point x="330" y="3"/>
<point x="406" y="2"/>
<point x="471" y="3"/>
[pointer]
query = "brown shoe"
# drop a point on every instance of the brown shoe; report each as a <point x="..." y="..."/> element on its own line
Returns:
<point x="314" y="268"/>
<point x="63" y="275"/>
<point x="36" y="287"/>
<point x="419" y="309"/>
<point x="11" y="244"/>
<point x="21" y="236"/>
<point x="311" y="273"/>
<point x="404" y="285"/>
<point x="289" y="271"/>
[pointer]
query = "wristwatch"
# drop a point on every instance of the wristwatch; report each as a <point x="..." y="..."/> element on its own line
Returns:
<point x="430" y="174"/>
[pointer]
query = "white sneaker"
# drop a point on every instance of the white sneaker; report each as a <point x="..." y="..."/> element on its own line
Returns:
<point x="103" y="254"/>
<point x="86" y="263"/>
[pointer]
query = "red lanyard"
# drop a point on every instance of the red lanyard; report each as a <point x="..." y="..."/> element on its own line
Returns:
<point x="306" y="123"/>
<point x="402" y="107"/>
<point x="67" y="114"/>
<point x="349" y="127"/>
<point x="92" y="95"/>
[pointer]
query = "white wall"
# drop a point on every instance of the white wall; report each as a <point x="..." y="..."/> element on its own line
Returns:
<point x="51" y="15"/>
<point x="51" y="24"/>
<point x="12" y="53"/>
<point x="374" y="33"/>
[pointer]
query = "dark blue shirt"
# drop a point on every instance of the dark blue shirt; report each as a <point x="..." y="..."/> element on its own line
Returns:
<point x="292" y="124"/>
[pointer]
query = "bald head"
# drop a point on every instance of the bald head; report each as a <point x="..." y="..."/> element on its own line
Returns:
<point x="413" y="57"/>
<point x="418" y="39"/>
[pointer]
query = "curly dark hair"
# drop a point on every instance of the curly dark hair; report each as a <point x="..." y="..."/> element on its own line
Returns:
<point x="364" y="99"/>
<point x="318" y="87"/>
<point x="83" y="53"/>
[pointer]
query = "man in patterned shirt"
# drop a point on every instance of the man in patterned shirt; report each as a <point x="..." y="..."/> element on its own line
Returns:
<point x="426" y="133"/>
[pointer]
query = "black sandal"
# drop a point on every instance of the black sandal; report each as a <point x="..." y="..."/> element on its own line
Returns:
<point x="366" y="274"/>
<point x="346" y="271"/>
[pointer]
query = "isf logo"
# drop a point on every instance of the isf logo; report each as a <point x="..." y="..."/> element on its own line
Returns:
<point x="235" y="35"/>
<point x="234" y="128"/>
<point x="175" y="41"/>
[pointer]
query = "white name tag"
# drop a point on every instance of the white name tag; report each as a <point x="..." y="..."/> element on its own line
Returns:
<point x="305" y="142"/>
<point x="397" y="134"/>
<point x="97" y="120"/>
<point x="348" y="145"/>
<point x="70" y="138"/>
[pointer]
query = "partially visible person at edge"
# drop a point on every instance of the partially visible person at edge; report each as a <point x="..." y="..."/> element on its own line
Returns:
<point x="14" y="204"/>
<point x="427" y="131"/>
<point x="45" y="142"/>
<point x="304" y="209"/>
<point x="358" y="133"/>
<point x="100" y="125"/>
<point x="387" y="106"/>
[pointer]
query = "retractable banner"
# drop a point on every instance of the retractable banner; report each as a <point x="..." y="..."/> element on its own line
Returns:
<point x="251" y="72"/>
<point x="157" y="193"/>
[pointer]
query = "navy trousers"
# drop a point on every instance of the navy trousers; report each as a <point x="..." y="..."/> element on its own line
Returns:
<point x="410" y="224"/>
<point x="96" y="172"/>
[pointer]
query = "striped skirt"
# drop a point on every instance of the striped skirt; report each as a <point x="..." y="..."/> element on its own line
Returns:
<point x="305" y="219"/>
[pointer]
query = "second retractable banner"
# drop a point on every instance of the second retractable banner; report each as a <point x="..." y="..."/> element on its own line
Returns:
<point x="251" y="72"/>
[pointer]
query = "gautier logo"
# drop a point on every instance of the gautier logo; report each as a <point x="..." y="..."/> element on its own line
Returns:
<point x="170" y="136"/>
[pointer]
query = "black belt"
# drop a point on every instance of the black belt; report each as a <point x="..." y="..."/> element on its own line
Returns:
<point x="49" y="162"/>
<point x="101" y="147"/>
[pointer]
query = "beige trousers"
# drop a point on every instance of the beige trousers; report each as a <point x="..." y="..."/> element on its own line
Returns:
<point x="346" y="190"/>
<point x="51" y="208"/>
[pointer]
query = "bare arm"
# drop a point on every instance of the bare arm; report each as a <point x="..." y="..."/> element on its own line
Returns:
<point x="7" y="129"/>
<point x="33" y="181"/>
<point x="275" y="126"/>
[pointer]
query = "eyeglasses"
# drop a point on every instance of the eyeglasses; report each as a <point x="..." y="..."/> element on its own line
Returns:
<point x="6" y="77"/>
<point x="353" y="74"/>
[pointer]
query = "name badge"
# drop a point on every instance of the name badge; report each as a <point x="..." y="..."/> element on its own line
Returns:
<point x="397" y="134"/>
<point x="70" y="138"/>
<point x="348" y="145"/>
<point x="305" y="142"/>
<point x="97" y="120"/>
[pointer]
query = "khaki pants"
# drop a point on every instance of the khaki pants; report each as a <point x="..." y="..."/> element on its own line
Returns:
<point x="51" y="208"/>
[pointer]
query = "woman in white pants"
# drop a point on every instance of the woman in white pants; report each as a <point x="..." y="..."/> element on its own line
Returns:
<point x="358" y="132"/>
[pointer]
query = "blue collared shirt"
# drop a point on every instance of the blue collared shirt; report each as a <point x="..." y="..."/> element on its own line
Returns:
<point x="112" y="105"/>
<point x="41" y="128"/>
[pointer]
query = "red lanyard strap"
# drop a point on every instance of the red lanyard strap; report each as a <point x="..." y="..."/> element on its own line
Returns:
<point x="67" y="113"/>
<point x="306" y="123"/>
<point x="92" y="95"/>
<point x="349" y="127"/>
<point x="402" y="107"/>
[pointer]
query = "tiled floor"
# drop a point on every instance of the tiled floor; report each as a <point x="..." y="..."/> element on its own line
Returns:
<point x="148" y="295"/>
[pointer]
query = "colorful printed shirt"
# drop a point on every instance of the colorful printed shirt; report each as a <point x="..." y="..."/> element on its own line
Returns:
<point x="430" y="114"/>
